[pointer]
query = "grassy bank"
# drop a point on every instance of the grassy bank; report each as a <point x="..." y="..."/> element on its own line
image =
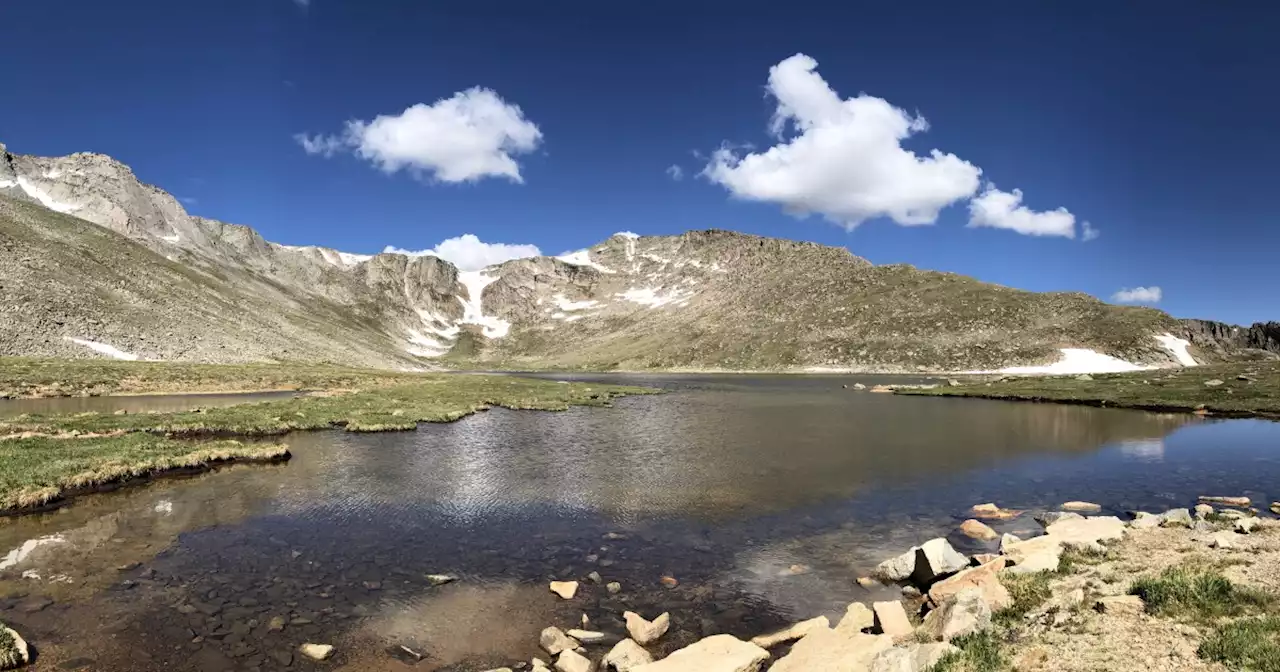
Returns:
<point x="46" y="457"/>
<point x="23" y="377"/>
<point x="1240" y="389"/>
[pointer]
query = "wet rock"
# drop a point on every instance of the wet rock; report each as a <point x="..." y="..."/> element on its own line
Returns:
<point x="14" y="651"/>
<point x="1145" y="521"/>
<point x="316" y="651"/>
<point x="1203" y="511"/>
<point x="1176" y="518"/>
<point x="1050" y="517"/>
<point x="565" y="589"/>
<point x="990" y="511"/>
<point x="644" y="631"/>
<point x="553" y="641"/>
<point x="572" y="661"/>
<point x="984" y="578"/>
<point x="1240" y="502"/>
<point x="892" y="619"/>
<point x="792" y="633"/>
<point x="613" y="587"/>
<point x="964" y="613"/>
<point x="440" y="579"/>
<point x="977" y="529"/>
<point x="586" y="636"/>
<point x="833" y="651"/>
<point x="625" y="656"/>
<point x="912" y="658"/>
<point x="1120" y="604"/>
<point x="857" y="617"/>
<point x="868" y="582"/>
<point x="717" y="653"/>
<point x="859" y="386"/>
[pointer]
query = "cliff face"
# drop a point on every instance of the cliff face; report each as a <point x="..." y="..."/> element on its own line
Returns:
<point x="1230" y="341"/>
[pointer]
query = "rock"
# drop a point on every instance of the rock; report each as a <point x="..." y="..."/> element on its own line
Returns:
<point x="1233" y="514"/>
<point x="936" y="558"/>
<point x="892" y="619"/>
<point x="1081" y="507"/>
<point x="565" y="589"/>
<point x="613" y="587"/>
<point x="1203" y="511"/>
<point x="984" y="578"/>
<point x="1246" y="525"/>
<point x="792" y="633"/>
<point x="553" y="641"/>
<point x="16" y="653"/>
<point x="1050" y="517"/>
<point x="316" y="651"/>
<point x="882" y="389"/>
<point x="833" y="651"/>
<point x="717" y="653"/>
<point x="1145" y="521"/>
<point x="897" y="568"/>
<point x="669" y="581"/>
<point x="440" y="579"/>
<point x="963" y="614"/>
<point x="595" y="577"/>
<point x="1221" y="540"/>
<point x="1084" y="377"/>
<point x="586" y="636"/>
<point x="1087" y="532"/>
<point x="859" y="386"/>
<point x="646" y="632"/>
<point x="1241" y="502"/>
<point x="857" y="617"/>
<point x="1038" y="554"/>
<point x="990" y="511"/>
<point x="539" y="664"/>
<point x="1120" y="604"/>
<point x="1275" y="507"/>
<point x="1007" y="540"/>
<point x="625" y="655"/>
<point x="276" y="624"/>
<point x="284" y="658"/>
<point x="572" y="661"/>
<point x="912" y="658"/>
<point x="983" y="558"/>
<point x="868" y="582"/>
<point x="1212" y="383"/>
<point x="978" y="530"/>
<point x="1176" y="518"/>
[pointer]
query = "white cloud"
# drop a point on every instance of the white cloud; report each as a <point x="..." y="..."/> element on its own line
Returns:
<point x="1138" y="295"/>
<point x="1088" y="233"/>
<point x="844" y="159"/>
<point x="675" y="172"/>
<point x="469" y="253"/>
<point x="1004" y="210"/>
<point x="465" y="138"/>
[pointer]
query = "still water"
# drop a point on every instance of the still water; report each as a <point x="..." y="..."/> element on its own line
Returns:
<point x="764" y="497"/>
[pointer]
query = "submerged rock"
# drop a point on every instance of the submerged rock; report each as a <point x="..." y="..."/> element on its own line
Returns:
<point x="625" y="655"/>
<point x="990" y="511"/>
<point x="1081" y="507"/>
<point x="644" y="631"/>
<point x="717" y="653"/>
<point x="792" y="633"/>
<point x="1240" y="502"/>
<point x="977" y="529"/>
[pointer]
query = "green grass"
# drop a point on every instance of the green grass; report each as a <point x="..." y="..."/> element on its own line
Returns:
<point x="1198" y="594"/>
<point x="39" y="470"/>
<point x="1074" y="556"/>
<point x="1250" y="644"/>
<point x="979" y="652"/>
<point x="1028" y="592"/>
<point x="8" y="650"/>
<point x="1165" y="389"/>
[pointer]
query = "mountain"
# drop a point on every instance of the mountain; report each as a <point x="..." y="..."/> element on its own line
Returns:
<point x="92" y="261"/>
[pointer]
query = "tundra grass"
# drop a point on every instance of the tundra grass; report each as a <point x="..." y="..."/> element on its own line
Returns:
<point x="36" y="471"/>
<point x="1198" y="594"/>
<point x="1247" y="644"/>
<point x="1238" y="389"/>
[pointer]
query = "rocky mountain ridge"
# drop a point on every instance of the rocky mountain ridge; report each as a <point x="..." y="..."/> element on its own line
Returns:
<point x="146" y="279"/>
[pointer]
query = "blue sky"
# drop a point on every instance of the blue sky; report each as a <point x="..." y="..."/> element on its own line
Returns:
<point x="1156" y="122"/>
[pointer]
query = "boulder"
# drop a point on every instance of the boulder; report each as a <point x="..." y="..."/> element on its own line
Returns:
<point x="613" y="587"/>
<point x="856" y="619"/>
<point x="717" y="653"/>
<point x="992" y="512"/>
<point x="572" y="661"/>
<point x="1176" y="518"/>
<point x="625" y="655"/>
<point x="1145" y="521"/>
<point x="1203" y="511"/>
<point x="553" y="641"/>
<point x="1050" y="517"/>
<point x="892" y="619"/>
<point x="983" y="558"/>
<point x="1240" y="502"/>
<point x="1087" y="532"/>
<point x="1221" y="540"/>
<point x="984" y="578"/>
<point x="14" y="651"/>
<point x="565" y="589"/>
<point x="1007" y="540"/>
<point x="897" y="568"/>
<point x="646" y="632"/>
<point x="964" y="613"/>
<point x="859" y="386"/>
<point x="833" y="651"/>
<point x="1120" y="604"/>
<point x="977" y="529"/>
<point x="1081" y="507"/>
<point x="1038" y="554"/>
<point x="586" y="636"/>
<point x="539" y="664"/>
<point x="1275" y="507"/>
<point x="1246" y="525"/>
<point x="911" y="658"/>
<point x="792" y="633"/>
<point x="316" y="651"/>
<point x="936" y="558"/>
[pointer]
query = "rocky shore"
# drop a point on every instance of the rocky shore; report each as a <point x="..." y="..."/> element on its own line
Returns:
<point x="1185" y="589"/>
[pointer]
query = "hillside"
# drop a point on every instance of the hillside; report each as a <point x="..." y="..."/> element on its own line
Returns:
<point x="94" y="261"/>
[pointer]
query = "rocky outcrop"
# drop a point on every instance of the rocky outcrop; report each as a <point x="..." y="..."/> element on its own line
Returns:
<point x="718" y="653"/>
<point x="1228" y="340"/>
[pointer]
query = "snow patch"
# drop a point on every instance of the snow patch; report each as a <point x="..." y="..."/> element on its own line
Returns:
<point x="5" y="184"/>
<point x="171" y="238"/>
<point x="654" y="298"/>
<point x="583" y="258"/>
<point x="472" y="308"/>
<point x="19" y="554"/>
<point x="43" y="196"/>
<point x="422" y="345"/>
<point x="108" y="350"/>
<point x="566" y="318"/>
<point x="1078" y="360"/>
<point x="565" y="304"/>
<point x="1178" y="346"/>
<point x="164" y="506"/>
<point x="53" y="174"/>
<point x="629" y="240"/>
<point x="333" y="257"/>
<point x="656" y="259"/>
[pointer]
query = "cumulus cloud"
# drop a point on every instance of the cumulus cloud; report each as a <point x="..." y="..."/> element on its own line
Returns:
<point x="675" y="172"/>
<point x="473" y="135"/>
<point x="1088" y="233"/>
<point x="1138" y="295"/>
<point x="842" y="159"/>
<point x="469" y="253"/>
<point x="1004" y="210"/>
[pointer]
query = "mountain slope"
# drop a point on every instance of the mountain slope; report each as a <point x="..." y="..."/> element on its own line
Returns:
<point x="88" y="252"/>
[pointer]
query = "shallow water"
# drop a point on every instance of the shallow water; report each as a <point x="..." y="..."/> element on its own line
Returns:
<point x="132" y="403"/>
<point x="764" y="496"/>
